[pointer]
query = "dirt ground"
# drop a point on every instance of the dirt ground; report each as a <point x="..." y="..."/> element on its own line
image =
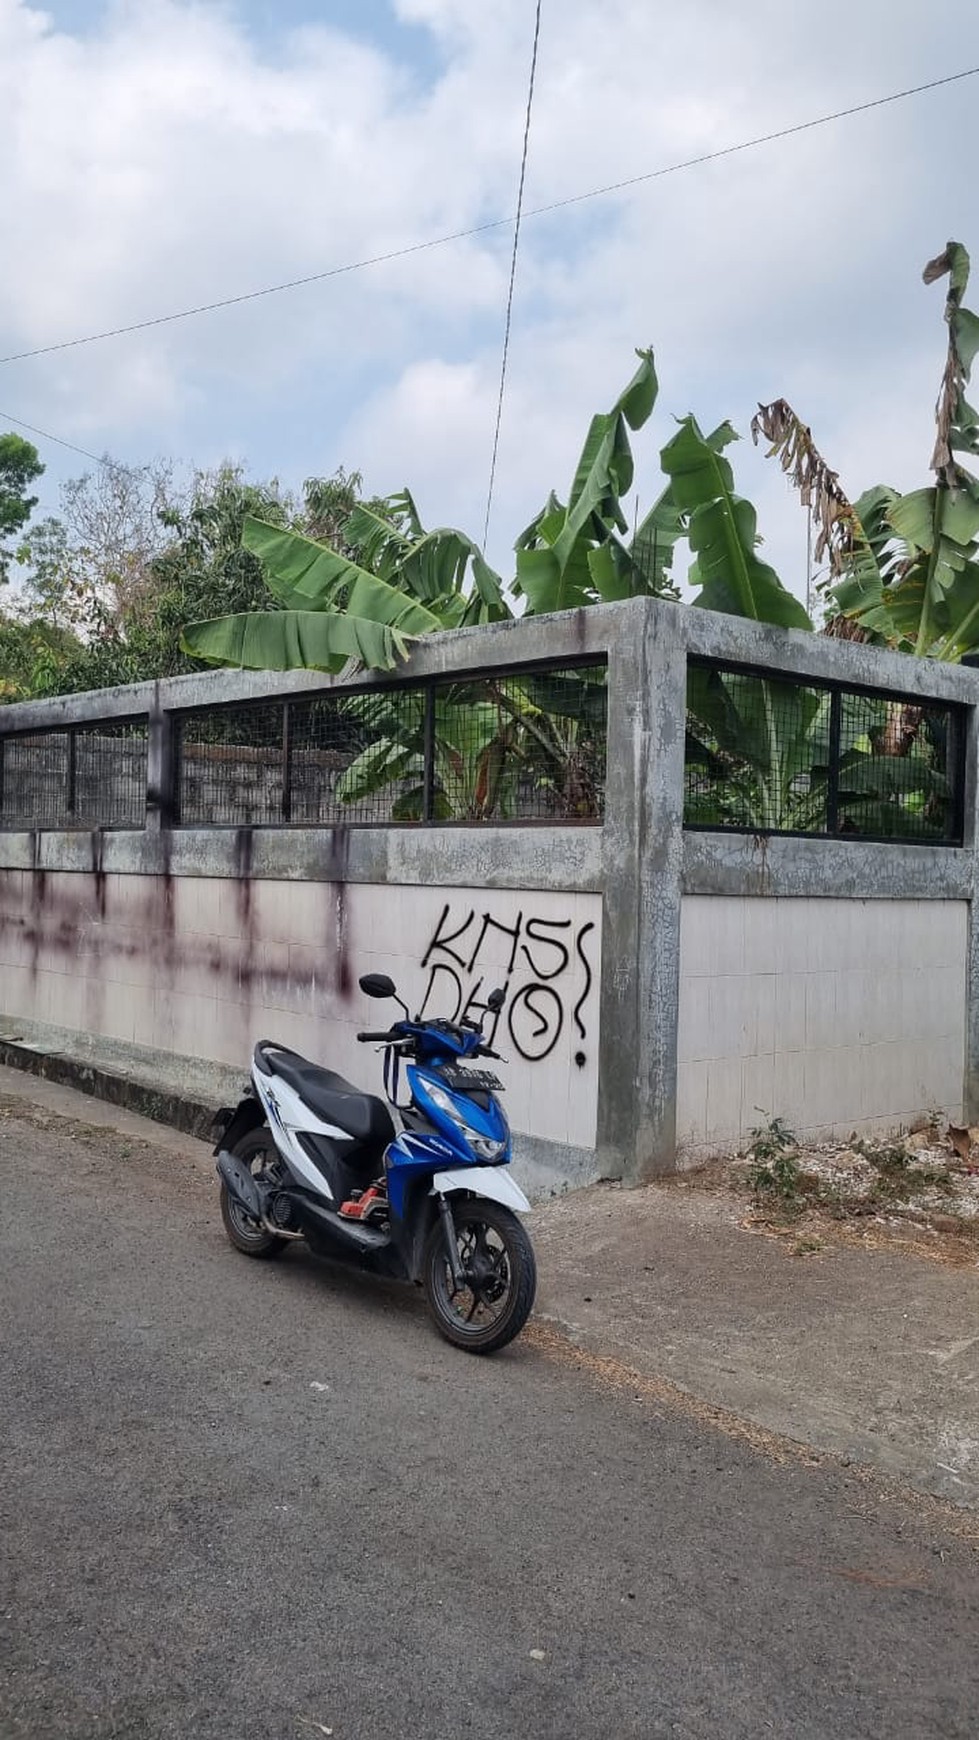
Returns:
<point x="917" y="1191"/>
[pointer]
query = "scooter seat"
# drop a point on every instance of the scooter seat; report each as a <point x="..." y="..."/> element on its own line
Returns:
<point x="364" y="1117"/>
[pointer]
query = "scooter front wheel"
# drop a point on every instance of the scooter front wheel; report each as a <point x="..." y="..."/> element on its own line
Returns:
<point x="499" y="1273"/>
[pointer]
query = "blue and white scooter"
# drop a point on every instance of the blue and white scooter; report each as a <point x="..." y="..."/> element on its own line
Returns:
<point x="305" y="1155"/>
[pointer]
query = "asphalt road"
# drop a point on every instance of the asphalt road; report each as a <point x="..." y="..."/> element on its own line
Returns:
<point x="240" y="1500"/>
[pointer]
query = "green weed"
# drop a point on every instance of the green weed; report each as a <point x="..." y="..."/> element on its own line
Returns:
<point x="774" y="1173"/>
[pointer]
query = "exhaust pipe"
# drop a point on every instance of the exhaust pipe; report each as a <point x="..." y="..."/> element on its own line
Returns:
<point x="242" y="1187"/>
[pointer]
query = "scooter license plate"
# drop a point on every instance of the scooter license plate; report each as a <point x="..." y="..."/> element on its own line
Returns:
<point x="472" y="1078"/>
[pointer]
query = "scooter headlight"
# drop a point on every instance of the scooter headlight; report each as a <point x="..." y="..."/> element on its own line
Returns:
<point x="484" y="1147"/>
<point x="445" y="1103"/>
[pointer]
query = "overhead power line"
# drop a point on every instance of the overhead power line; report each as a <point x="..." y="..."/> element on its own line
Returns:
<point x="99" y="459"/>
<point x="513" y="276"/>
<point x="496" y="223"/>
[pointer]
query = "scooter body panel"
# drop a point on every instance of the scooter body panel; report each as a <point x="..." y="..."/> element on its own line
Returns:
<point x="288" y="1118"/>
<point x="488" y="1181"/>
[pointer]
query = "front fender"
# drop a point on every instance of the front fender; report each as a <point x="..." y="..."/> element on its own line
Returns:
<point x="488" y="1181"/>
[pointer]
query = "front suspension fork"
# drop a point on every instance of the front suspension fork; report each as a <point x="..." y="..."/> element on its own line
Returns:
<point x="451" y="1242"/>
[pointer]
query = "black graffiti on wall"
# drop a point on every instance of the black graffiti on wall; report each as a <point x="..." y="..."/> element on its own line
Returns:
<point x="536" y="962"/>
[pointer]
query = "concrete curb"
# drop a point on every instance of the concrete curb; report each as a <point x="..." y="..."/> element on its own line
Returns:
<point x="163" y="1105"/>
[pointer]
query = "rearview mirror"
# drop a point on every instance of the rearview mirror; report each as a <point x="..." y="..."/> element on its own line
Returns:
<point x="496" y="1000"/>
<point x="378" y="985"/>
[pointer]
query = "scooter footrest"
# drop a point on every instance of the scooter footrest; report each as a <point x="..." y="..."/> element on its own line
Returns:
<point x="363" y="1206"/>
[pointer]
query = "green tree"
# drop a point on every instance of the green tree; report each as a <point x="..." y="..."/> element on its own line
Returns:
<point x="90" y="563"/>
<point x="20" y="466"/>
<point x="32" y="654"/>
<point x="133" y="555"/>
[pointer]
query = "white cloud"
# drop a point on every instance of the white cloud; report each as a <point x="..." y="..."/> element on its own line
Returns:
<point x="169" y="157"/>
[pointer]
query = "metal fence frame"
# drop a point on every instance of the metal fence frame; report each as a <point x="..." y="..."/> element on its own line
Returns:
<point x="837" y="688"/>
<point x="429" y="687"/>
<point x="163" y="792"/>
<point x="71" y="732"/>
<point x="702" y="640"/>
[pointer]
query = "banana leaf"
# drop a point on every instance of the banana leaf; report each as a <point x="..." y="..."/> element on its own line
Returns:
<point x="294" y="640"/>
<point x="307" y="575"/>
<point x="432" y="566"/>
<point x="377" y="539"/>
<point x="436" y="567"/>
<point x="889" y="776"/>
<point x="579" y="695"/>
<point x="561" y="559"/>
<point x="380" y="765"/>
<point x="653" y="547"/>
<point x="546" y="586"/>
<point x="722" y="531"/>
<point x="612" y="572"/>
<point x="301" y="573"/>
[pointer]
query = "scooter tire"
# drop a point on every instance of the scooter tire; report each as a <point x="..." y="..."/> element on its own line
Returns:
<point x="522" y="1285"/>
<point x="237" y="1224"/>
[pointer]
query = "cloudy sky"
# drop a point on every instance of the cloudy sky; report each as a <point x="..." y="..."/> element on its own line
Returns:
<point x="164" y="153"/>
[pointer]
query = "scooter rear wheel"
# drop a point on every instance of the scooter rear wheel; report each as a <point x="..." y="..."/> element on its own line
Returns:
<point x="256" y="1151"/>
<point x="489" y="1310"/>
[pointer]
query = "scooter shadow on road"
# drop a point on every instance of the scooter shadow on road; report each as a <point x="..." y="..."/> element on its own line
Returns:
<point x="355" y="1288"/>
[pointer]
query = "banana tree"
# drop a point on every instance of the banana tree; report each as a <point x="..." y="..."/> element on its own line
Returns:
<point x="903" y="570"/>
<point x="407" y="582"/>
<point x="576" y="554"/>
<point x="501" y="746"/>
<point x="903" y="573"/>
<point x="472" y="772"/>
<point x="756" y="748"/>
<point x="401" y="581"/>
<point x="404" y="581"/>
<point x="757" y="753"/>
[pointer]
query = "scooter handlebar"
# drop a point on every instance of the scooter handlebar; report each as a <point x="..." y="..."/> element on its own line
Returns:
<point x="393" y="1037"/>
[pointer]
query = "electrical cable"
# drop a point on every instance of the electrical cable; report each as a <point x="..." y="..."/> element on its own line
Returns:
<point x="513" y="277"/>
<point x="495" y="223"/>
<point x="107" y="464"/>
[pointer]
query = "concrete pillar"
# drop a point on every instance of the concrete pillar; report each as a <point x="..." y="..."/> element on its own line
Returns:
<point x="159" y="765"/>
<point x="970" y="836"/>
<point x="643" y="853"/>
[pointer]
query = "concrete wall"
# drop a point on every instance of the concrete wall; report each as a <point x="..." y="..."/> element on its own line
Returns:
<point x="203" y="938"/>
<point x="837" y="1015"/>
<point x="203" y="967"/>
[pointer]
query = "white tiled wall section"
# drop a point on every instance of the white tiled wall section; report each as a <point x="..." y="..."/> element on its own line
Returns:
<point x="833" y="1014"/>
<point x="205" y="966"/>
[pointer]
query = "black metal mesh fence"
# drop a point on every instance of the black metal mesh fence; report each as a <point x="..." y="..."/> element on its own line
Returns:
<point x="87" y="776"/>
<point x="900" y="772"/>
<point x="521" y="748"/>
<point x="357" y="758"/>
<point x="765" y="753"/>
<point x="230" y="766"/>
<point x="769" y="754"/>
<point x="496" y="748"/>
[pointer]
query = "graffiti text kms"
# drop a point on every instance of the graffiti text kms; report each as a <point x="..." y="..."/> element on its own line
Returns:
<point x="541" y="963"/>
